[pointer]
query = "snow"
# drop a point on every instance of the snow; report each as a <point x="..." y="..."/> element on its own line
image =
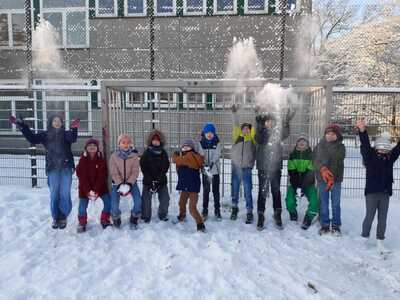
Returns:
<point x="165" y="261"/>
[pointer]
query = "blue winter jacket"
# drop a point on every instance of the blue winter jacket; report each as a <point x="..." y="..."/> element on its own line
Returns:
<point x="57" y="143"/>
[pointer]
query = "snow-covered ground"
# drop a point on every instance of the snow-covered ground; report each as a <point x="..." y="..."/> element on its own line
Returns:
<point x="165" y="261"/>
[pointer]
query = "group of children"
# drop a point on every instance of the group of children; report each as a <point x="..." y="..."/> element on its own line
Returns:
<point x="199" y="163"/>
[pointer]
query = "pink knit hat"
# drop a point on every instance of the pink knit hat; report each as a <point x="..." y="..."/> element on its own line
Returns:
<point x="124" y="136"/>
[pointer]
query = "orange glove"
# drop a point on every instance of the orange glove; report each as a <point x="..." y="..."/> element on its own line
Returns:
<point x="328" y="177"/>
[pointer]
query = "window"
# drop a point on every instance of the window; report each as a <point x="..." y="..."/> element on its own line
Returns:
<point x="164" y="7"/>
<point x="166" y="100"/>
<point x="69" y="20"/>
<point x="12" y="23"/>
<point x="255" y="6"/>
<point x="135" y="7"/>
<point x="223" y="100"/>
<point x="291" y="5"/>
<point x="106" y="8"/>
<point x="135" y="99"/>
<point x="225" y="7"/>
<point x="194" y="100"/>
<point x="195" y="7"/>
<point x="16" y="103"/>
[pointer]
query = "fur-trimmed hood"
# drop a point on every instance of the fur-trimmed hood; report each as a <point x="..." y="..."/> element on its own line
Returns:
<point x="151" y="136"/>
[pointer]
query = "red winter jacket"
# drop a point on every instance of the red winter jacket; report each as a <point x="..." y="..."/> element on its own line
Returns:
<point x="92" y="175"/>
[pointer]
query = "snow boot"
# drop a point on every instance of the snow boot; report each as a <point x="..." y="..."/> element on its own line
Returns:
<point x="201" y="227"/>
<point x="260" y="222"/>
<point x="306" y="223"/>
<point x="54" y="224"/>
<point x="293" y="216"/>
<point x="234" y="214"/>
<point x="62" y="223"/>
<point x="204" y="214"/>
<point x="278" y="218"/>
<point x="249" y="218"/>
<point x="336" y="230"/>
<point x="218" y="215"/>
<point x="163" y="218"/>
<point x="82" y="221"/>
<point x="133" y="222"/>
<point x="179" y="219"/>
<point x="382" y="250"/>
<point x="116" y="221"/>
<point x="105" y="220"/>
<point x="324" y="230"/>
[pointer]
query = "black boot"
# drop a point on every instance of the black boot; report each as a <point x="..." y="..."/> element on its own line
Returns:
<point x="133" y="222"/>
<point x="54" y="225"/>
<point x="116" y="222"/>
<point x="306" y="223"/>
<point x="62" y="223"/>
<point x="336" y="230"/>
<point x="324" y="230"/>
<point x="234" y="214"/>
<point x="218" y="215"/>
<point x="201" y="227"/>
<point x="249" y="218"/>
<point x="204" y="214"/>
<point x="278" y="218"/>
<point x="293" y="216"/>
<point x="260" y="222"/>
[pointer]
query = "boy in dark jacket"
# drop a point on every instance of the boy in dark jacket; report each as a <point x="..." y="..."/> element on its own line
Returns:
<point x="154" y="164"/>
<point x="329" y="157"/>
<point x="301" y="176"/>
<point x="210" y="148"/>
<point x="188" y="163"/>
<point x="59" y="162"/>
<point x="378" y="162"/>
<point x="92" y="175"/>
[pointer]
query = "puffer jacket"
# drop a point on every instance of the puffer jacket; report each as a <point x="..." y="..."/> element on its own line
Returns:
<point x="243" y="151"/>
<point x="211" y="150"/>
<point x="188" y="166"/>
<point x="124" y="170"/>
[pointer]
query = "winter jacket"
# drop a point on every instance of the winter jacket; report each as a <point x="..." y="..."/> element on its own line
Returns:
<point x="379" y="168"/>
<point x="269" y="154"/>
<point x="124" y="170"/>
<point x="330" y="155"/>
<point x="188" y="166"/>
<point x="211" y="150"/>
<point x="243" y="149"/>
<point x="92" y="175"/>
<point x="155" y="162"/>
<point x="57" y="143"/>
<point x="300" y="169"/>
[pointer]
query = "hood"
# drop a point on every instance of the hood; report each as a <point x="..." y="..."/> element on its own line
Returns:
<point x="50" y="121"/>
<point x="152" y="134"/>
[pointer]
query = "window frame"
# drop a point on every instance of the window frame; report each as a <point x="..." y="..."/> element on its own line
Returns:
<point x="164" y="14"/>
<point x="64" y="11"/>
<point x="203" y="12"/>
<point x="225" y="104"/>
<point x="135" y="105"/>
<point x="9" y="13"/>
<point x="127" y="14"/>
<point x="247" y="11"/>
<point x="159" y="103"/>
<point x="201" y="105"/>
<point x="115" y="14"/>
<point x="230" y="12"/>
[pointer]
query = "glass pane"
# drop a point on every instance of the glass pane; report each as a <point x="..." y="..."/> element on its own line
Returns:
<point x="135" y="98"/>
<point x="12" y="4"/>
<point x="3" y="30"/>
<point x="63" y="3"/>
<point x="194" y="5"/>
<point x="224" y="5"/>
<point x="18" y="27"/>
<point x="55" y="107"/>
<point x="165" y="97"/>
<point x="256" y="5"/>
<point x="135" y="6"/>
<point x="165" y="6"/>
<point x="291" y="4"/>
<point x="79" y="110"/>
<point x="25" y="110"/>
<point x="106" y="7"/>
<point x="76" y="28"/>
<point x="55" y="19"/>
<point x="5" y="112"/>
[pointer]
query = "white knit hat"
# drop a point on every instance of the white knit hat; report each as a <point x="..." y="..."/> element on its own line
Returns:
<point x="383" y="142"/>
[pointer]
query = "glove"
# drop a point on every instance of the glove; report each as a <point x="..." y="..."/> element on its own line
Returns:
<point x="155" y="186"/>
<point x="295" y="180"/>
<point x="75" y="123"/>
<point x="328" y="177"/>
<point x="15" y="121"/>
<point x="260" y="120"/>
<point x="92" y="196"/>
<point x="124" y="189"/>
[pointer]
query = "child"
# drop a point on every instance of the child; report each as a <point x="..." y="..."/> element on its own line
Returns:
<point x="155" y="164"/>
<point x="210" y="148"/>
<point x="124" y="167"/>
<point x="59" y="162"/>
<point x="269" y="155"/>
<point x="92" y="175"/>
<point x="379" y="180"/>
<point x="188" y="164"/>
<point x="301" y="176"/>
<point x="242" y="160"/>
<point x="329" y="157"/>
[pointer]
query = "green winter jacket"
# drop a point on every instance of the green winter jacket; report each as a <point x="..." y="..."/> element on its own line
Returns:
<point x="300" y="161"/>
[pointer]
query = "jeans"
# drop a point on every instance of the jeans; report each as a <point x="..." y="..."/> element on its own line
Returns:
<point x="83" y="204"/>
<point x="137" y="201"/>
<point x="242" y="175"/>
<point x="215" y="189"/>
<point x="59" y="182"/>
<point x="274" y="178"/>
<point x="335" y="201"/>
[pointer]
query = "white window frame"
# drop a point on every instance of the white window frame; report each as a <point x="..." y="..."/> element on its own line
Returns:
<point x="254" y="12"/>
<point x="129" y="105"/>
<point x="194" y="105"/>
<point x="223" y="105"/>
<point x="159" y="103"/>
<point x="200" y="13"/>
<point x="9" y="13"/>
<point x="160" y="14"/>
<point x="64" y="11"/>
<point x="13" y="99"/>
<point x="115" y="14"/>
<point x="143" y="14"/>
<point x="230" y="12"/>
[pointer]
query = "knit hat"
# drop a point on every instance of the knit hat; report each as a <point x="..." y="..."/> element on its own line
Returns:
<point x="209" y="127"/>
<point x="188" y="143"/>
<point x="124" y="136"/>
<point x="383" y="142"/>
<point x="335" y="128"/>
<point x="304" y="138"/>
<point x="92" y="141"/>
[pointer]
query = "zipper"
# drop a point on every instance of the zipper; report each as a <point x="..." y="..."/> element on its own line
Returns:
<point x="125" y="171"/>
